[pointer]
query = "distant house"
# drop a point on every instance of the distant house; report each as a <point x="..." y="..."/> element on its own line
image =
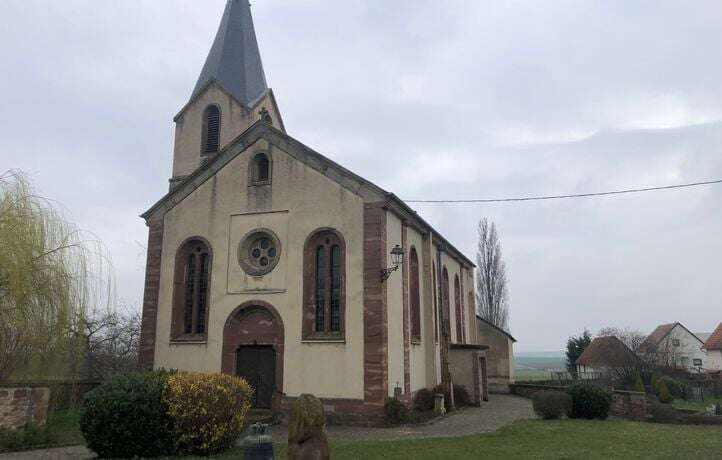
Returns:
<point x="713" y="347"/>
<point x="605" y="356"/>
<point x="673" y="345"/>
<point x="499" y="357"/>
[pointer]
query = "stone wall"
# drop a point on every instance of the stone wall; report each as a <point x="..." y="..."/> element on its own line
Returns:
<point x="526" y="390"/>
<point x="629" y="404"/>
<point x="19" y="406"/>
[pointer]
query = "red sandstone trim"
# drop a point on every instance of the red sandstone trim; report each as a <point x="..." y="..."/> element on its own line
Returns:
<point x="149" y="320"/>
<point x="375" y="306"/>
<point x="254" y="323"/>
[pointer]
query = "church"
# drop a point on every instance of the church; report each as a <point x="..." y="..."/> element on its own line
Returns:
<point x="269" y="261"/>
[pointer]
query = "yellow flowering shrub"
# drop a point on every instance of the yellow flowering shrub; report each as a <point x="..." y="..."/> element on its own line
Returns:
<point x="208" y="411"/>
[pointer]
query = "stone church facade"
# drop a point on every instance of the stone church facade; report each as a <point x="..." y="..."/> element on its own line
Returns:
<point x="270" y="261"/>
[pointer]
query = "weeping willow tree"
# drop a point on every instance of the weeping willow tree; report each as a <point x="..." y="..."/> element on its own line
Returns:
<point x="51" y="278"/>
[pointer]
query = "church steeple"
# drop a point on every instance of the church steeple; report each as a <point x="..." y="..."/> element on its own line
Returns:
<point x="234" y="61"/>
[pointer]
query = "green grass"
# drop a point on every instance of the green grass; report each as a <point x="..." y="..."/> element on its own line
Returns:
<point x="537" y="439"/>
<point x="696" y="405"/>
<point x="61" y="429"/>
<point x="522" y="375"/>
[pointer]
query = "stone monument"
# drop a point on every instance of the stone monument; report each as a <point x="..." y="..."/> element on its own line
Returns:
<point x="306" y="437"/>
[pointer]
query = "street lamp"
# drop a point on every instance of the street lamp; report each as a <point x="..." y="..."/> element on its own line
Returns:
<point x="397" y="258"/>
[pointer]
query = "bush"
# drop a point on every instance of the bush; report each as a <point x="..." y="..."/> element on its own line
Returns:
<point x="128" y="418"/>
<point x="424" y="400"/>
<point x="461" y="396"/>
<point x="661" y="413"/>
<point x="395" y="411"/>
<point x="29" y="436"/>
<point x="589" y="402"/>
<point x="654" y="383"/>
<point x="676" y="388"/>
<point x="551" y="405"/>
<point x="638" y="384"/>
<point x="663" y="393"/>
<point x="208" y="411"/>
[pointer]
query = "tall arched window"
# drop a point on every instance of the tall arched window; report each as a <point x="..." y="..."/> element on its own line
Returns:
<point x="414" y="295"/>
<point x="211" y="130"/>
<point x="191" y="290"/>
<point x="324" y="286"/>
<point x="436" y="311"/>
<point x="260" y="169"/>
<point x="458" y="310"/>
<point x="445" y="311"/>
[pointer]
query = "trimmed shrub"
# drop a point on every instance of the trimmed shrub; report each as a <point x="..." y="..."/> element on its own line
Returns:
<point x="676" y="388"/>
<point x="661" y="413"/>
<point x="424" y="400"/>
<point x="461" y="396"/>
<point x="208" y="411"/>
<point x="128" y="417"/>
<point x="395" y="411"/>
<point x="589" y="401"/>
<point x="551" y="405"/>
<point x="654" y="383"/>
<point x="663" y="393"/>
<point x="638" y="384"/>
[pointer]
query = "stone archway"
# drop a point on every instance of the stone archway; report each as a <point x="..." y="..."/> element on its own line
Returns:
<point x="253" y="340"/>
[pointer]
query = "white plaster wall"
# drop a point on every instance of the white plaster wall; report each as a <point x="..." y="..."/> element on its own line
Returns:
<point x="714" y="359"/>
<point x="689" y="347"/>
<point x="299" y="201"/>
<point x="235" y="119"/>
<point x="395" y="308"/>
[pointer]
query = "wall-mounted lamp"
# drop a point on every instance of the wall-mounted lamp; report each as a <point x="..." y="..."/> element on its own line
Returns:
<point x="397" y="258"/>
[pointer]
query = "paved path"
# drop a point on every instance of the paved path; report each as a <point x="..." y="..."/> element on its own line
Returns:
<point x="501" y="410"/>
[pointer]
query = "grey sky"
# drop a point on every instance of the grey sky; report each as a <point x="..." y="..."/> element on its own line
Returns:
<point x="431" y="100"/>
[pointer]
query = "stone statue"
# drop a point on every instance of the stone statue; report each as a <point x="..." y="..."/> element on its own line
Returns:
<point x="306" y="437"/>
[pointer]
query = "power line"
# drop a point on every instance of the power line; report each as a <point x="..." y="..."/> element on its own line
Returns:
<point x="578" y="195"/>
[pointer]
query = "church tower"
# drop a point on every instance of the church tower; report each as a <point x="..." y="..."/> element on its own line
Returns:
<point x="231" y="94"/>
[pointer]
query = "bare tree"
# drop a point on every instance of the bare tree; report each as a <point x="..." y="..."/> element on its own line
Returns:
<point x="113" y="340"/>
<point x="630" y="337"/>
<point x="492" y="295"/>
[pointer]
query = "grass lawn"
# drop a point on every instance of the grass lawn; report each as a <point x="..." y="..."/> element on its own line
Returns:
<point x="566" y="439"/>
<point x="62" y="428"/>
<point x="696" y="405"/>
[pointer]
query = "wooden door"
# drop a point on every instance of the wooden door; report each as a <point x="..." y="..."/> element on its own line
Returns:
<point x="257" y="365"/>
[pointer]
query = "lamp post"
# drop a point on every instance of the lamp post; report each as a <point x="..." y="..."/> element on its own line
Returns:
<point x="397" y="258"/>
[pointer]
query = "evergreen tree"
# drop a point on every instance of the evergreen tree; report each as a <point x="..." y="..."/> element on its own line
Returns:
<point x="575" y="348"/>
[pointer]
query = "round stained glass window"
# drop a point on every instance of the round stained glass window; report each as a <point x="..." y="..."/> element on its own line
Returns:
<point x="259" y="252"/>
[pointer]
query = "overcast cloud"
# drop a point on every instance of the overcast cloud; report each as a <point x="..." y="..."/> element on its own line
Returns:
<point x="430" y="100"/>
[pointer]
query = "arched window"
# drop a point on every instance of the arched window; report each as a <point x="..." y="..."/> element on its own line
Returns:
<point x="459" y="312"/>
<point x="414" y="295"/>
<point x="324" y="286"/>
<point x="445" y="312"/>
<point x="191" y="290"/>
<point x="260" y="169"/>
<point x="436" y="311"/>
<point x="211" y="130"/>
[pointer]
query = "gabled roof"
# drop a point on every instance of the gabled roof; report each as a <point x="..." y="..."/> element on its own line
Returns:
<point x="607" y="352"/>
<point x="494" y="326"/>
<point x="715" y="340"/>
<point x="651" y="343"/>
<point x="234" y="60"/>
<point x="367" y="190"/>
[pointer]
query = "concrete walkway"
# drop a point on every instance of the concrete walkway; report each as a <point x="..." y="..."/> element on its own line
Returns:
<point x="500" y="411"/>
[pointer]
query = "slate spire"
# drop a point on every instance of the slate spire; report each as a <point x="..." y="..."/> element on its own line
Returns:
<point x="234" y="60"/>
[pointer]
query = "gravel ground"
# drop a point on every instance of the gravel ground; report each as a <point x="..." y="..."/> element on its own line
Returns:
<point x="501" y="410"/>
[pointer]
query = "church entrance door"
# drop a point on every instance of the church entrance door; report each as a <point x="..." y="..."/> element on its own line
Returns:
<point x="257" y="365"/>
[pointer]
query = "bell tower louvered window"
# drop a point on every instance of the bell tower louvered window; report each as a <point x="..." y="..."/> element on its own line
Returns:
<point x="211" y="130"/>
